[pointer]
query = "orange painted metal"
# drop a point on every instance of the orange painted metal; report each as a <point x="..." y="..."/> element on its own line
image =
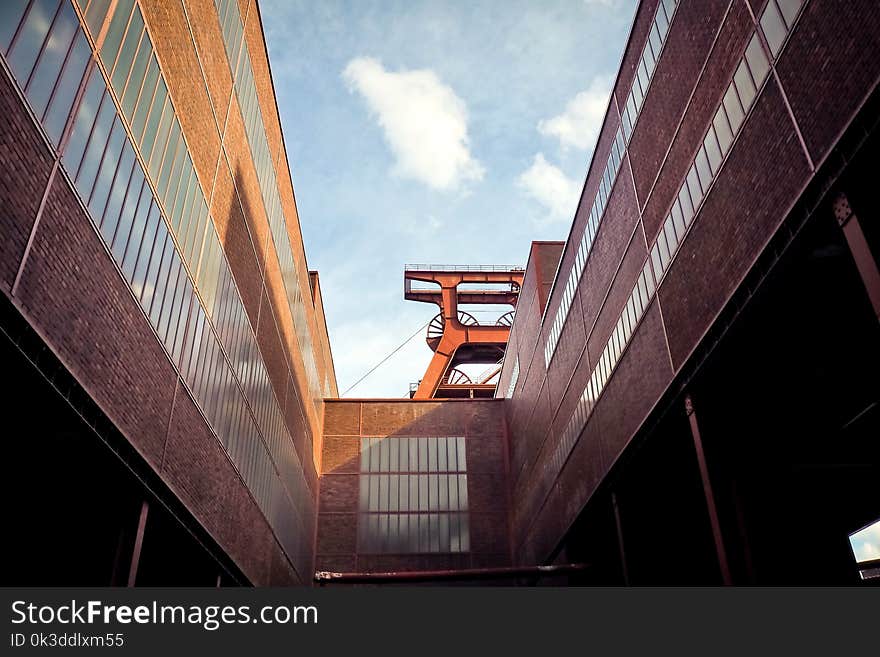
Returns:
<point x="462" y="343"/>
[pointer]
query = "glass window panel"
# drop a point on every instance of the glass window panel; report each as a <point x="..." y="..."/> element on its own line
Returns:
<point x="383" y="491"/>
<point x="48" y="67"/>
<point x="757" y="60"/>
<point x="403" y="448"/>
<point x="423" y="454"/>
<point x="443" y="532"/>
<point x="110" y="221"/>
<point x="662" y="22"/>
<point x="170" y="160"/>
<point x="423" y="492"/>
<point x="789" y="10"/>
<point x="432" y="455"/>
<point x="774" y="28"/>
<point x="115" y="32"/>
<point x="443" y="498"/>
<point x="656" y="40"/>
<point x="414" y="492"/>
<point x="462" y="492"/>
<point x="733" y="108"/>
<point x="373" y="496"/>
<point x="23" y="54"/>
<point x="154" y="121"/>
<point x="176" y="196"/>
<point x="684" y="200"/>
<point x="97" y="141"/>
<point x="627" y="122"/>
<point x="127" y="53"/>
<point x="671" y="237"/>
<point x="106" y="172"/>
<point x="637" y="92"/>
<point x="82" y="123"/>
<point x="413" y="444"/>
<point x="161" y="280"/>
<point x="173" y="312"/>
<point x="703" y="169"/>
<point x="403" y="492"/>
<point x="145" y="250"/>
<point x="663" y="249"/>
<point x="693" y="184"/>
<point x="424" y="533"/>
<point x="171" y="286"/>
<point x="462" y="458"/>
<point x="11" y="13"/>
<point x="451" y="459"/>
<point x="678" y="218"/>
<point x="145" y="101"/>
<point x="722" y="129"/>
<point x="464" y="533"/>
<point x="433" y="492"/>
<point x="393" y="454"/>
<point x="365" y="454"/>
<point x="156" y="152"/>
<point x="126" y="216"/>
<point x="452" y="485"/>
<point x="713" y="152"/>
<point x="744" y="84"/>
<point x="442" y="460"/>
<point x="643" y="76"/>
<point x="643" y="288"/>
<point x="374" y="455"/>
<point x="95" y="14"/>
<point x="137" y="232"/>
<point x="655" y="259"/>
<point x="65" y="92"/>
<point x="155" y="256"/>
<point x="384" y="454"/>
<point x="136" y="77"/>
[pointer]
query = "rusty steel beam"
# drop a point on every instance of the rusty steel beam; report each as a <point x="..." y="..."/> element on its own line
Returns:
<point x="457" y="340"/>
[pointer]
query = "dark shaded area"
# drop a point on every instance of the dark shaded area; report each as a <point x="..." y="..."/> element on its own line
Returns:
<point x="787" y="400"/>
<point x="73" y="489"/>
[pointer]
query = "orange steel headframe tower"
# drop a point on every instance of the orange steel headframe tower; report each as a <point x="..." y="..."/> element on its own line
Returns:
<point x="454" y="335"/>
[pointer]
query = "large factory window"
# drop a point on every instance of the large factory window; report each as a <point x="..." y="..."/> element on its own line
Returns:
<point x="413" y="495"/>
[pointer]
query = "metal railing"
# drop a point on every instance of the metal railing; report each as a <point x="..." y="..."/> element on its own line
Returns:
<point x="465" y="268"/>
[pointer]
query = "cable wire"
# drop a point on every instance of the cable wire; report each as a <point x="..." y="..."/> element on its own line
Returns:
<point x="379" y="364"/>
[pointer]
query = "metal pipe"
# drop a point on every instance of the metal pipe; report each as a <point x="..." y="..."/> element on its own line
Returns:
<point x="325" y="577"/>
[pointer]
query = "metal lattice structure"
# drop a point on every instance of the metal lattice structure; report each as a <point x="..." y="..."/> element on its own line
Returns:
<point x="455" y="336"/>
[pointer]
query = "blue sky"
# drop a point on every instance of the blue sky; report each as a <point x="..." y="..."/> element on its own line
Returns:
<point x="438" y="132"/>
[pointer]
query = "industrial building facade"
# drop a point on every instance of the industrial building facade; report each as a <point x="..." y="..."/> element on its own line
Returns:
<point x="696" y="400"/>
<point x="156" y="300"/>
<point x="689" y="390"/>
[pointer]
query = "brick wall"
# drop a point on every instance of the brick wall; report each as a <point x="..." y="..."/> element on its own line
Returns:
<point x="825" y="72"/>
<point x="480" y="422"/>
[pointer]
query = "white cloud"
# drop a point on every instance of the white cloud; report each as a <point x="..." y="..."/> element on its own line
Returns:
<point x="424" y="121"/>
<point x="579" y="124"/>
<point x="548" y="185"/>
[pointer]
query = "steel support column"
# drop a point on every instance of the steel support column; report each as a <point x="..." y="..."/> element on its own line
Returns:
<point x="138" y="543"/>
<point x="858" y="246"/>
<point x="623" y="567"/>
<point x="720" y="551"/>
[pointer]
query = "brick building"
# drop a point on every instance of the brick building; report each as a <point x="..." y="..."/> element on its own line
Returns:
<point x="156" y="300"/>
<point x="697" y="399"/>
<point x="689" y="393"/>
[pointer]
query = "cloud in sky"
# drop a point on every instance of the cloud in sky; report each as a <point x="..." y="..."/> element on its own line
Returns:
<point x="547" y="184"/>
<point x="866" y="543"/>
<point x="424" y="121"/>
<point x="578" y="126"/>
